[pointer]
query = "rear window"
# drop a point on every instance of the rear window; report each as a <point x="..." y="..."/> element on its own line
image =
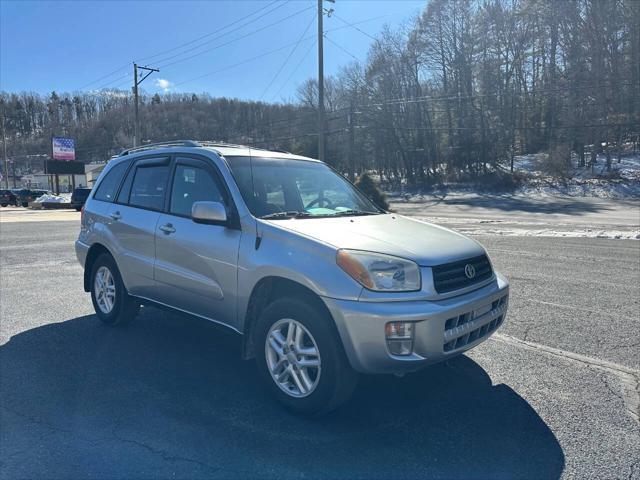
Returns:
<point x="149" y="186"/>
<point x="109" y="185"/>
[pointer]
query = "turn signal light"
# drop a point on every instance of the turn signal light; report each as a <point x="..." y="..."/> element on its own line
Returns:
<point x="399" y="337"/>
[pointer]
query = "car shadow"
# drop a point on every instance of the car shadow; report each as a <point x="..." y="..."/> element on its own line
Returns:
<point x="546" y="205"/>
<point x="168" y="396"/>
<point x="511" y="203"/>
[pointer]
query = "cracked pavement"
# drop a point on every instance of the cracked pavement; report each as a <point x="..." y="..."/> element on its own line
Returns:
<point x="553" y="394"/>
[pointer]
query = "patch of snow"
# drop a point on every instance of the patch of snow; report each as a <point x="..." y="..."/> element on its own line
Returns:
<point x="625" y="166"/>
<point x="531" y="163"/>
<point x="599" y="188"/>
<point x="623" y="181"/>
<point x="48" y="198"/>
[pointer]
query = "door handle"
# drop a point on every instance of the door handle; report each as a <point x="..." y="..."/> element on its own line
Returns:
<point x="167" y="228"/>
<point x="115" y="215"/>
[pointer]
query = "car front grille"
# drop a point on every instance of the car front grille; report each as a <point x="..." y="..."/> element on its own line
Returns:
<point x="468" y="327"/>
<point x="452" y="276"/>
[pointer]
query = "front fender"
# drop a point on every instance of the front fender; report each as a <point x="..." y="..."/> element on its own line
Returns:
<point x="303" y="260"/>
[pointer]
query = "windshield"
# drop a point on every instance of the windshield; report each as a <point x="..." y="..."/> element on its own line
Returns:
<point x="284" y="188"/>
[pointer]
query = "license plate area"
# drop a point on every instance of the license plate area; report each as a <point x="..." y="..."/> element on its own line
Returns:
<point x="478" y="312"/>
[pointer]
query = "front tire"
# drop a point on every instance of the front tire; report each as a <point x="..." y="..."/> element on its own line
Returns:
<point x="301" y="359"/>
<point x="112" y="303"/>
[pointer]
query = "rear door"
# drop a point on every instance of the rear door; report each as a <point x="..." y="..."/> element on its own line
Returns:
<point x="132" y="222"/>
<point x="196" y="264"/>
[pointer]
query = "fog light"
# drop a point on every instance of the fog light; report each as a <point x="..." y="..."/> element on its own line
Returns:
<point x="399" y="337"/>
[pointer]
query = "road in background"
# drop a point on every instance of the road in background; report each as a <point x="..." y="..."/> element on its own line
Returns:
<point x="519" y="215"/>
<point x="554" y="393"/>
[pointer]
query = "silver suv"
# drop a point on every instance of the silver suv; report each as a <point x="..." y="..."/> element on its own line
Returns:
<point x="320" y="282"/>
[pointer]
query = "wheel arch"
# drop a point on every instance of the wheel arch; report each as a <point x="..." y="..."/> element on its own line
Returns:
<point x="265" y="291"/>
<point x="94" y="252"/>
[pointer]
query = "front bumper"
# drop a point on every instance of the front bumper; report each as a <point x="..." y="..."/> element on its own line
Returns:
<point x="443" y="328"/>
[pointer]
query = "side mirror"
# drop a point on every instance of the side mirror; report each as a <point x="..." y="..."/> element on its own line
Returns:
<point x="211" y="213"/>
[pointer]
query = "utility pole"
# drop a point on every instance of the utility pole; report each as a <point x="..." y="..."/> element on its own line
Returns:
<point x="4" y="152"/>
<point x="321" y="81"/>
<point x="350" y="122"/>
<point x="13" y="171"/>
<point x="136" y="82"/>
<point x="135" y="101"/>
<point x="320" y="84"/>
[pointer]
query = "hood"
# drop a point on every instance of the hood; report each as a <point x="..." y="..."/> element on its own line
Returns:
<point x="424" y="243"/>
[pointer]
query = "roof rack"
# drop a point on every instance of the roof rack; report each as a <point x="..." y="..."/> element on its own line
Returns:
<point x="181" y="143"/>
<point x="213" y="143"/>
<point x="171" y="143"/>
<point x="190" y="143"/>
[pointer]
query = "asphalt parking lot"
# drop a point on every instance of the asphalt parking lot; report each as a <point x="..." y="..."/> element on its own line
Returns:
<point x="554" y="394"/>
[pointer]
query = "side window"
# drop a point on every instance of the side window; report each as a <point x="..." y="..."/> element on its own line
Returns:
<point x="149" y="186"/>
<point x="109" y="184"/>
<point x="192" y="184"/>
<point x="123" y="196"/>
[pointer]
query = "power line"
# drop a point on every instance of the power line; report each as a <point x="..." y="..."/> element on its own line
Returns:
<point x="165" y="65"/>
<point x="105" y="76"/>
<point x="428" y="98"/>
<point x="341" y="48"/>
<point x="282" y="4"/>
<point x="306" y="54"/>
<point x="110" y="82"/>
<point x="353" y="25"/>
<point x="228" y="67"/>
<point x="187" y="43"/>
<point x="293" y="50"/>
<point x="241" y="63"/>
<point x="479" y="128"/>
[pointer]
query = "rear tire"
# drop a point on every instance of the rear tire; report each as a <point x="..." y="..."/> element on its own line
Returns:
<point x="326" y="386"/>
<point x="112" y="303"/>
<point x="78" y="209"/>
<point x="4" y="204"/>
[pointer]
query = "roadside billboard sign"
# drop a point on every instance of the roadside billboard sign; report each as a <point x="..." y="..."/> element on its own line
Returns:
<point x="61" y="167"/>
<point x="63" y="148"/>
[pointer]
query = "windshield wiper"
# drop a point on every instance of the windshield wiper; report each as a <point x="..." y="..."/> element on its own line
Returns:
<point x="298" y="214"/>
<point x="289" y="214"/>
<point x="352" y="213"/>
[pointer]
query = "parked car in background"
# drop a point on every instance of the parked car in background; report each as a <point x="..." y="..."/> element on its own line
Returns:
<point x="25" y="195"/>
<point x="321" y="283"/>
<point x="79" y="197"/>
<point x="7" y="197"/>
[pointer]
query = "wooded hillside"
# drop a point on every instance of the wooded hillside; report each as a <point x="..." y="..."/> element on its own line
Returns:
<point x="455" y="93"/>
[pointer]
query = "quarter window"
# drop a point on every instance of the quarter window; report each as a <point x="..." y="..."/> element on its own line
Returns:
<point x="149" y="186"/>
<point x="192" y="184"/>
<point x="109" y="185"/>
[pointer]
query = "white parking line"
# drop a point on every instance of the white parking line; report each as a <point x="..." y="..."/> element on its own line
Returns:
<point x="26" y="215"/>
<point x="629" y="377"/>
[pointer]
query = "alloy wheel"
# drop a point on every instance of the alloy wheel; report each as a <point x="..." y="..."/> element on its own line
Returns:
<point x="105" y="290"/>
<point x="293" y="358"/>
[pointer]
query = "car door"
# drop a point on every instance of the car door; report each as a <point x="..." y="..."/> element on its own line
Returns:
<point x="196" y="264"/>
<point x="133" y="219"/>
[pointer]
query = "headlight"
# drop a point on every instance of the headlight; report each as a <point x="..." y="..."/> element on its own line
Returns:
<point x="380" y="272"/>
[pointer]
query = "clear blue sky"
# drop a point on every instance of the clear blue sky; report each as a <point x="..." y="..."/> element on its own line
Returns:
<point x="67" y="45"/>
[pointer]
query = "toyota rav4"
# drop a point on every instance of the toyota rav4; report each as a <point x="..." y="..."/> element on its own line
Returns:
<point x="321" y="283"/>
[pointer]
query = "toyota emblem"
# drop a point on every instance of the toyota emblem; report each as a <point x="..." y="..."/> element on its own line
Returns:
<point x="469" y="271"/>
